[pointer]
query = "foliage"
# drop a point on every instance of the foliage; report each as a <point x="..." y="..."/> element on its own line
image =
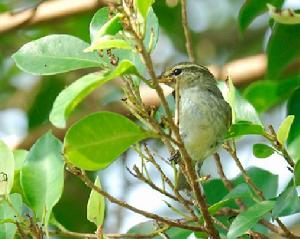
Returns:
<point x="122" y="39"/>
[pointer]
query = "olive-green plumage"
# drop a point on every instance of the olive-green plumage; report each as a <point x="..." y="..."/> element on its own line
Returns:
<point x="204" y="116"/>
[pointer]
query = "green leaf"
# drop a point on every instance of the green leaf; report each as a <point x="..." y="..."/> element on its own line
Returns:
<point x="7" y="215"/>
<point x="262" y="150"/>
<point x="286" y="16"/>
<point x="106" y="43"/>
<point x="98" y="20"/>
<point x="287" y="203"/>
<point x="297" y="173"/>
<point x="55" y="54"/>
<point x="42" y="176"/>
<point x="253" y="8"/>
<point x="244" y="128"/>
<point x="97" y="140"/>
<point x="143" y="7"/>
<point x="293" y="108"/>
<point x="246" y="219"/>
<point x="96" y="206"/>
<point x="279" y="59"/>
<point x="7" y="167"/>
<point x="242" y="110"/>
<point x="101" y="24"/>
<point x="284" y="129"/>
<point x="20" y="156"/>
<point x="240" y="191"/>
<point x="152" y="31"/>
<point x="70" y="97"/>
<point x="264" y="94"/>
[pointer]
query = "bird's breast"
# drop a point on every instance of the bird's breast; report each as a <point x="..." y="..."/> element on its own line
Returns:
<point x="202" y="122"/>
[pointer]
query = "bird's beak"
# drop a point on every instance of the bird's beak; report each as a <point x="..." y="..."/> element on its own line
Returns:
<point x="165" y="80"/>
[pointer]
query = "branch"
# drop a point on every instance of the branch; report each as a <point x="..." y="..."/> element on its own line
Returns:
<point x="46" y="11"/>
<point x="84" y="178"/>
<point x="187" y="33"/>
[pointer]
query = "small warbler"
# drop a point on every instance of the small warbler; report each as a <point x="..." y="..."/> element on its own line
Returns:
<point x="203" y="115"/>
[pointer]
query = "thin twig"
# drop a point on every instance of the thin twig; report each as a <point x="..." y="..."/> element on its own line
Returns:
<point x="187" y="33"/>
<point x="272" y="136"/>
<point x="258" y="192"/>
<point x="83" y="177"/>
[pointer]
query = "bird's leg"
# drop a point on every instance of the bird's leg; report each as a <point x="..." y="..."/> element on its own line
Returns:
<point x="175" y="157"/>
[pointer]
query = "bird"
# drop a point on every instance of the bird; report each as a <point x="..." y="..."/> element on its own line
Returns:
<point x="204" y="117"/>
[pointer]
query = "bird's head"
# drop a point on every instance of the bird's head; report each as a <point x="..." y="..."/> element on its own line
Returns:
<point x="188" y="75"/>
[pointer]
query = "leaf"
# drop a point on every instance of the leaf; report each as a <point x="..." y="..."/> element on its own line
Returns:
<point x="96" y="206"/>
<point x="253" y="8"/>
<point x="55" y="54"/>
<point x="240" y="191"/>
<point x="297" y="173"/>
<point x="242" y="110"/>
<point x="287" y="203"/>
<point x="293" y="108"/>
<point x="264" y="94"/>
<point x="286" y="16"/>
<point x="7" y="167"/>
<point x="19" y="156"/>
<point x="143" y="7"/>
<point x="97" y="140"/>
<point x="284" y="129"/>
<point x="70" y="97"/>
<point x="262" y="150"/>
<point x="246" y="219"/>
<point x="279" y="59"/>
<point x="7" y="215"/>
<point x="152" y="31"/>
<point x="105" y="43"/>
<point x="244" y="128"/>
<point x="42" y="176"/>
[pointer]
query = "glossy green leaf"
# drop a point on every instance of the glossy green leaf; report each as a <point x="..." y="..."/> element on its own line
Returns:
<point x="286" y="16"/>
<point x="280" y="54"/>
<point x="55" y="54"/>
<point x="262" y="150"/>
<point x="267" y="182"/>
<point x="143" y="7"/>
<point x="149" y="227"/>
<point x="287" y="203"/>
<point x="111" y="27"/>
<point x="297" y="173"/>
<point x="244" y="128"/>
<point x="70" y="97"/>
<point x="253" y="8"/>
<point x="246" y="219"/>
<point x="96" y="206"/>
<point x="242" y="110"/>
<point x="7" y="167"/>
<point x="97" y="140"/>
<point x="264" y="94"/>
<point x="152" y="31"/>
<point x="42" y="176"/>
<point x="284" y="129"/>
<point x="20" y="155"/>
<point x="98" y="20"/>
<point x="240" y="191"/>
<point x="293" y="108"/>
<point x="106" y="43"/>
<point x="7" y="215"/>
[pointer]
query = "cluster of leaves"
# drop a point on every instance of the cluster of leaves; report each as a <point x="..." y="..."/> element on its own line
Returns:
<point x="34" y="180"/>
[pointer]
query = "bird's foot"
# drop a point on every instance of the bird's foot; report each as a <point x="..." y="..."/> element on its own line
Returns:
<point x="175" y="157"/>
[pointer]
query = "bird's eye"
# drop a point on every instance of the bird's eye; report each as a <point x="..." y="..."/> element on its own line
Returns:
<point x="177" y="72"/>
